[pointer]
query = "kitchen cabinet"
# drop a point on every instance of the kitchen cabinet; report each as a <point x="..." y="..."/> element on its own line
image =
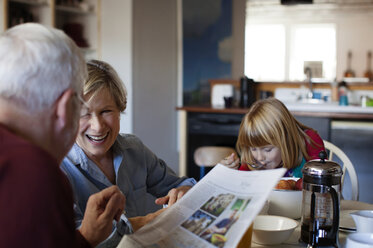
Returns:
<point x="79" y="19"/>
<point x="320" y="124"/>
<point x="355" y="138"/>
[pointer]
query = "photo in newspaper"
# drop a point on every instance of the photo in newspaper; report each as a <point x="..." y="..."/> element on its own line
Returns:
<point x="212" y="222"/>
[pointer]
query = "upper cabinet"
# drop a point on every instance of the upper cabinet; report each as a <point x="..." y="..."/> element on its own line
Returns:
<point x="80" y="19"/>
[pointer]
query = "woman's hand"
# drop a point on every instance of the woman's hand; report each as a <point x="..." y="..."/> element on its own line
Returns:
<point x="140" y="221"/>
<point x="173" y="195"/>
<point x="232" y="161"/>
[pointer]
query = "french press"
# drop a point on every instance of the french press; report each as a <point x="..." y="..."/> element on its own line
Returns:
<point x="320" y="203"/>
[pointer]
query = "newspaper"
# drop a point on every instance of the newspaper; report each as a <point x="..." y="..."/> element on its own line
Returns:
<point x="216" y="212"/>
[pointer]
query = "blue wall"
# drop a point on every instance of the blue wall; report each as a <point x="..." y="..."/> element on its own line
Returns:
<point x="207" y="49"/>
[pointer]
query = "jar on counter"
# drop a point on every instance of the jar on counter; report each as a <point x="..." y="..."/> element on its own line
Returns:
<point x="334" y="95"/>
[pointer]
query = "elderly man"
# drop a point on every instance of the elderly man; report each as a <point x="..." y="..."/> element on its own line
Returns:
<point x="41" y="79"/>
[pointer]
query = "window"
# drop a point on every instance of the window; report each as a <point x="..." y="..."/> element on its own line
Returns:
<point x="265" y="52"/>
<point x="280" y="52"/>
<point x="312" y="43"/>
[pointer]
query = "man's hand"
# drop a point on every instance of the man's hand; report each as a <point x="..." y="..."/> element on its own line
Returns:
<point x="140" y="221"/>
<point x="173" y="195"/>
<point x="102" y="208"/>
<point x="232" y="161"/>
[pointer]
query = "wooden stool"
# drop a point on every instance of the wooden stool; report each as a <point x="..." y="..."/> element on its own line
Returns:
<point x="209" y="156"/>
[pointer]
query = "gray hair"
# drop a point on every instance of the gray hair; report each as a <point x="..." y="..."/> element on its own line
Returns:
<point x="37" y="64"/>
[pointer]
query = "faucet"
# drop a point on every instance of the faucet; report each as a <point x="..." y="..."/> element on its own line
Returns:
<point x="308" y="73"/>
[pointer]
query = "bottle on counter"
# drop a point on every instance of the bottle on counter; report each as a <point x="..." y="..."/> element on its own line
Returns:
<point x="343" y="93"/>
<point x="364" y="101"/>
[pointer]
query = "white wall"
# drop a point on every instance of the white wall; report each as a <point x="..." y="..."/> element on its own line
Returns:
<point x="2" y="16"/>
<point x="354" y="33"/>
<point x="155" y="64"/>
<point x="157" y="72"/>
<point x="116" y="38"/>
<point x="238" y="33"/>
<point x="139" y="38"/>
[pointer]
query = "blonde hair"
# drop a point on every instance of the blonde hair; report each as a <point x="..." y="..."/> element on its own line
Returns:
<point x="269" y="122"/>
<point x="102" y="75"/>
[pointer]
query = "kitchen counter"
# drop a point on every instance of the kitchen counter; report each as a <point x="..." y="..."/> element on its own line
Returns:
<point x="332" y="110"/>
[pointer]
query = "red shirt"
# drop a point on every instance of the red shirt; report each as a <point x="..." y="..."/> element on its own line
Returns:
<point x="36" y="202"/>
<point x="314" y="150"/>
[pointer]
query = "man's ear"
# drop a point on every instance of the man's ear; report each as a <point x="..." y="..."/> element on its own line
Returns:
<point x="63" y="108"/>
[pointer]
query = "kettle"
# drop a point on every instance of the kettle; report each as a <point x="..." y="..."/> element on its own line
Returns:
<point x="320" y="202"/>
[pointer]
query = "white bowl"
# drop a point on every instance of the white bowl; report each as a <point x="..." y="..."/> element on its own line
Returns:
<point x="359" y="240"/>
<point x="287" y="203"/>
<point x="272" y="230"/>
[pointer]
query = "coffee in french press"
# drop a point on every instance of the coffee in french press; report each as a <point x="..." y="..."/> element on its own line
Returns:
<point x="320" y="203"/>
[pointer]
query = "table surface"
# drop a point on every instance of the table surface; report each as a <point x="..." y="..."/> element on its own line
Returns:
<point x="293" y="241"/>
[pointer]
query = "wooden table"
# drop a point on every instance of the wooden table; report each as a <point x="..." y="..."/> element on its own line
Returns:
<point x="293" y="241"/>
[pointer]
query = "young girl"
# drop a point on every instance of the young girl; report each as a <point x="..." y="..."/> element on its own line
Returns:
<point x="270" y="137"/>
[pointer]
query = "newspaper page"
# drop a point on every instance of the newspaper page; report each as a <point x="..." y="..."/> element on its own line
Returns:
<point x="216" y="212"/>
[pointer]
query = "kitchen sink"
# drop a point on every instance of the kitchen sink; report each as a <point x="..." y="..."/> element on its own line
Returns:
<point x="299" y="95"/>
<point x="296" y="99"/>
<point x="311" y="101"/>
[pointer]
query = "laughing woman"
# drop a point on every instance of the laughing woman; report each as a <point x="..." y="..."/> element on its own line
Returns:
<point x="102" y="157"/>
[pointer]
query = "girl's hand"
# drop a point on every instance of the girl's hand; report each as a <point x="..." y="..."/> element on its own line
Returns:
<point x="173" y="195"/>
<point x="232" y="161"/>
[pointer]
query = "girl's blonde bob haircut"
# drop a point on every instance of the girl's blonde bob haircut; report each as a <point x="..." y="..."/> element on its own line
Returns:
<point x="269" y="122"/>
<point x="101" y="75"/>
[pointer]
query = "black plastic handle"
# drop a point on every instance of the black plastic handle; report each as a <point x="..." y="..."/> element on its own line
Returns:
<point x="323" y="155"/>
<point x="333" y="232"/>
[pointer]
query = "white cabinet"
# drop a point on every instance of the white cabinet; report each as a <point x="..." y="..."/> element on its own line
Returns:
<point x="80" y="19"/>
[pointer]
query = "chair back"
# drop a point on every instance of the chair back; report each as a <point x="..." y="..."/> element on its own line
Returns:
<point x="333" y="152"/>
<point x="209" y="156"/>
